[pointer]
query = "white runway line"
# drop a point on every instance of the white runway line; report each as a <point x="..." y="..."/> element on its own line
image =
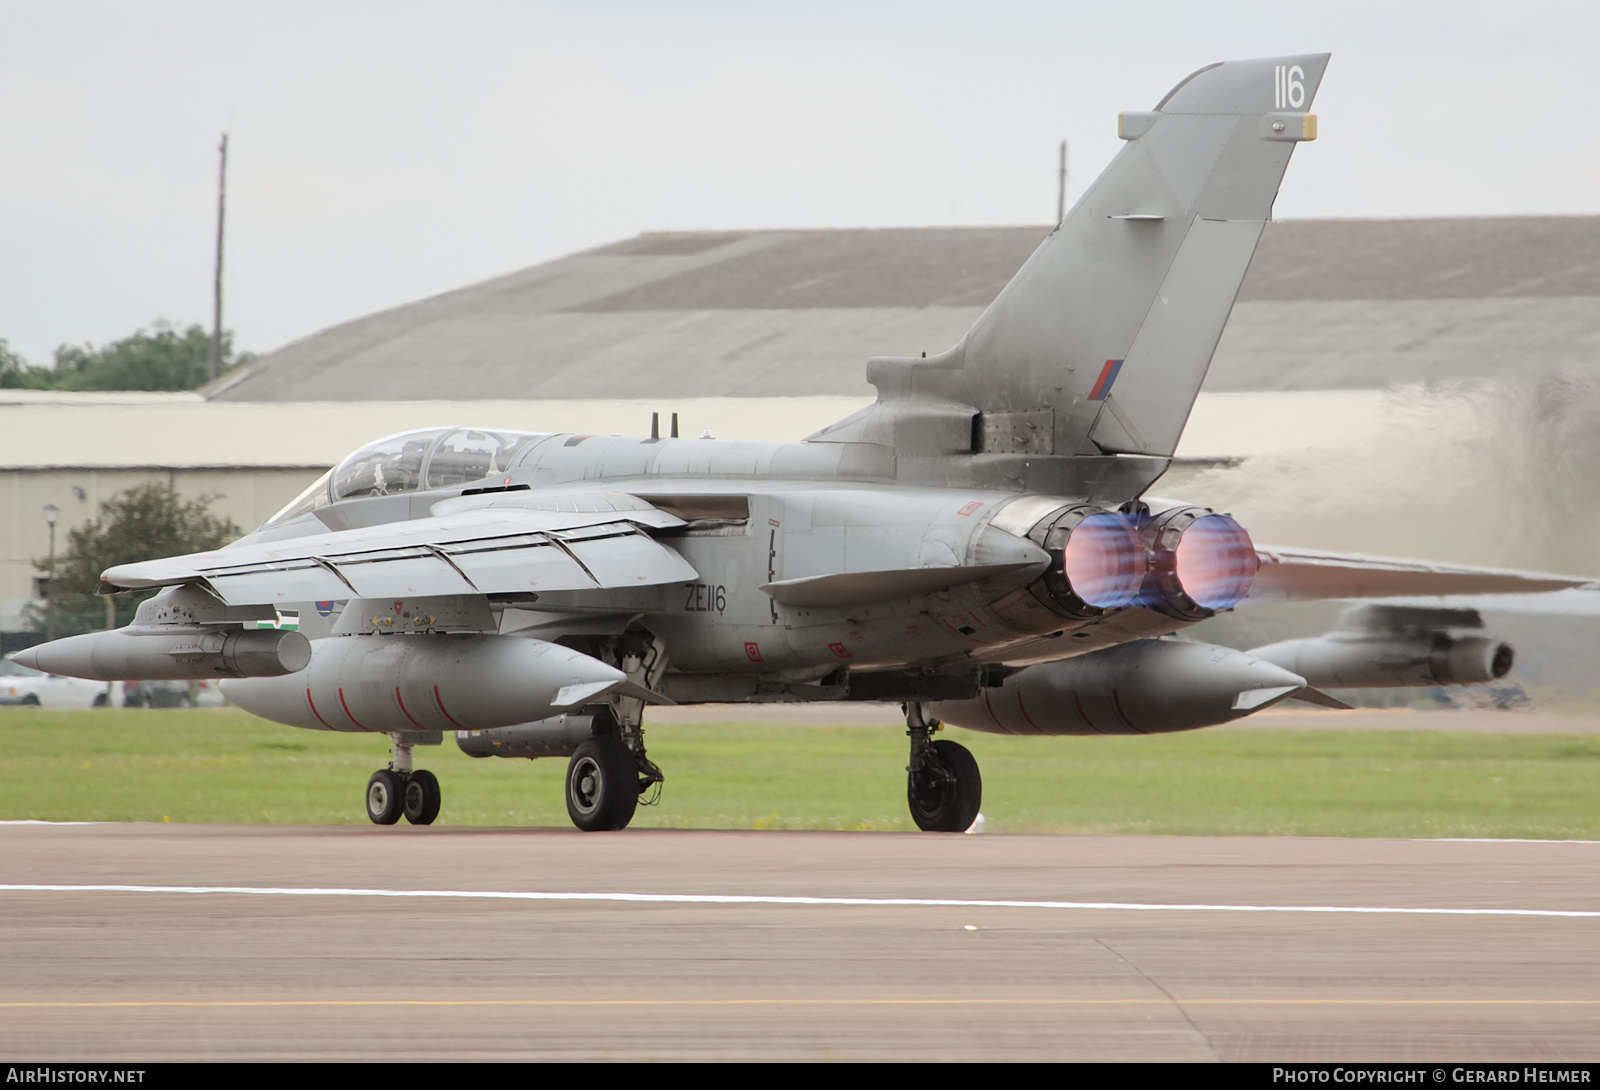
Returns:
<point x="1498" y="840"/>
<point x="742" y="899"/>
<point x="36" y="821"/>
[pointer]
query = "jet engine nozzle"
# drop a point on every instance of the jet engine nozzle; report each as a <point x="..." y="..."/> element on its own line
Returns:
<point x="1101" y="560"/>
<point x="1145" y="687"/>
<point x="1200" y="562"/>
<point x="1097" y="561"/>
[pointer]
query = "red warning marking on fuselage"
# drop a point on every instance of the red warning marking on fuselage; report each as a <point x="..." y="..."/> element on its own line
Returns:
<point x="1025" y="714"/>
<point x="313" y="706"/>
<point x="1116" y="702"/>
<point x="440" y="701"/>
<point x="403" y="710"/>
<point x="1077" y="703"/>
<point x="346" y="708"/>
<point x="988" y="705"/>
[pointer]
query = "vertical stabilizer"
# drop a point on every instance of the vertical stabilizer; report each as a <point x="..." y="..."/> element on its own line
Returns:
<point x="1099" y="344"/>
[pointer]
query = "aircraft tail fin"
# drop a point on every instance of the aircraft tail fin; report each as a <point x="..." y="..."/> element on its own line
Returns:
<point x="1099" y="344"/>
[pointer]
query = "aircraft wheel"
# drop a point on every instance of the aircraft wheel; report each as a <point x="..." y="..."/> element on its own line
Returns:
<point x="602" y="785"/>
<point x="385" y="797"/>
<point x="946" y="797"/>
<point x="422" y="797"/>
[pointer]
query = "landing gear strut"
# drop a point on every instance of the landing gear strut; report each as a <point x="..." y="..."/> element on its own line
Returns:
<point x="401" y="790"/>
<point x="609" y="776"/>
<point x="943" y="784"/>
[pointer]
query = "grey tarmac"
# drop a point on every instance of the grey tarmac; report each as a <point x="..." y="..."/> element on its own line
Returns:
<point x="146" y="976"/>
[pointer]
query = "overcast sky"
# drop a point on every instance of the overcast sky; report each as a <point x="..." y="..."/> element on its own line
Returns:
<point x="385" y="151"/>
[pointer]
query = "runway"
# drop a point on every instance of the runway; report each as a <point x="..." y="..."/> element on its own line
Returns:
<point x="362" y="943"/>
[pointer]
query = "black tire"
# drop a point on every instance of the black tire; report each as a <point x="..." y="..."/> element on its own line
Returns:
<point x="602" y="785"/>
<point x="31" y="700"/>
<point x="385" y="797"/>
<point x="101" y="700"/>
<point x="947" y="797"/>
<point x="422" y="798"/>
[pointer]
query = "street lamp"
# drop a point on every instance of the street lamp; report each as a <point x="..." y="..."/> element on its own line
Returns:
<point x="51" y="513"/>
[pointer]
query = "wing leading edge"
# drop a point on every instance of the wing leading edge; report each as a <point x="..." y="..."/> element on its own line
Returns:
<point x="473" y="552"/>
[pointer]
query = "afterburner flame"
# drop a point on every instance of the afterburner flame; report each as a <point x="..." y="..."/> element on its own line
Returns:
<point x="1104" y="561"/>
<point x="1215" y="562"/>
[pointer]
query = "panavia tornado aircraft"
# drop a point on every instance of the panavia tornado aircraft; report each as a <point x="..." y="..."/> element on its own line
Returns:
<point x="978" y="545"/>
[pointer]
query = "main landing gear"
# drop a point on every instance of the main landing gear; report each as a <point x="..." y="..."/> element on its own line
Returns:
<point x="943" y="784"/>
<point x="609" y="776"/>
<point x="602" y="785"/>
<point x="400" y="790"/>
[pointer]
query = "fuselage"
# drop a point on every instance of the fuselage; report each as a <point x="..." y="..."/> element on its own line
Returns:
<point x="811" y="557"/>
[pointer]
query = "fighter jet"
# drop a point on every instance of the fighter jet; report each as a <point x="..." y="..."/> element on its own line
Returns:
<point x="978" y="546"/>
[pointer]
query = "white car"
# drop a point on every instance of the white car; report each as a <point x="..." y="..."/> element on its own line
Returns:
<point x="20" y="685"/>
<point x="172" y="694"/>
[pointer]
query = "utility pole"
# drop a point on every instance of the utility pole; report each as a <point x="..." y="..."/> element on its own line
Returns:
<point x="51" y="514"/>
<point x="216" y="308"/>
<point x="1061" y="190"/>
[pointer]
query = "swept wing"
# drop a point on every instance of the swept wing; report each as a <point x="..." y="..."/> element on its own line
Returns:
<point x="498" y="551"/>
<point x="1296" y="575"/>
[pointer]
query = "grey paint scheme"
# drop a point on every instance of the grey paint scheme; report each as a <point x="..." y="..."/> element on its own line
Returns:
<point x="1144" y="687"/>
<point x="1143" y="270"/>
<point x="1383" y="645"/>
<point x="889" y="557"/>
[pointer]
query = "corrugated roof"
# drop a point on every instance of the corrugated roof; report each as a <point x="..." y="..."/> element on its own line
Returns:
<point x="1328" y="304"/>
<point x="46" y="430"/>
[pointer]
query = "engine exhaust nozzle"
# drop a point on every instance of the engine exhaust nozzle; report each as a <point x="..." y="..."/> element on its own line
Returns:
<point x="1200" y="562"/>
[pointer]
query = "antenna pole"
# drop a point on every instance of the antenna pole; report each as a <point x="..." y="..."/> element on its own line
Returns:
<point x="216" y="299"/>
<point x="1061" y="190"/>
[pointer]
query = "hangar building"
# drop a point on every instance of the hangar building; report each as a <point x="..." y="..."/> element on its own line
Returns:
<point x="765" y="334"/>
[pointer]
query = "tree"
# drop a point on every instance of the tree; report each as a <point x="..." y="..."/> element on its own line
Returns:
<point x="13" y="368"/>
<point x="160" y="358"/>
<point x="142" y="523"/>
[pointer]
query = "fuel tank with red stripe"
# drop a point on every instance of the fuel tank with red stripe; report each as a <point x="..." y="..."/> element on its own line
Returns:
<point x="1144" y="687"/>
<point x="426" y="682"/>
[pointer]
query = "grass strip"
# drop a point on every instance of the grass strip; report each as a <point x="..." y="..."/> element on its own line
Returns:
<point x="222" y="765"/>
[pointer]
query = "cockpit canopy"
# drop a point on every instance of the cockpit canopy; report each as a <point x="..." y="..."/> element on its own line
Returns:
<point x="413" y="461"/>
